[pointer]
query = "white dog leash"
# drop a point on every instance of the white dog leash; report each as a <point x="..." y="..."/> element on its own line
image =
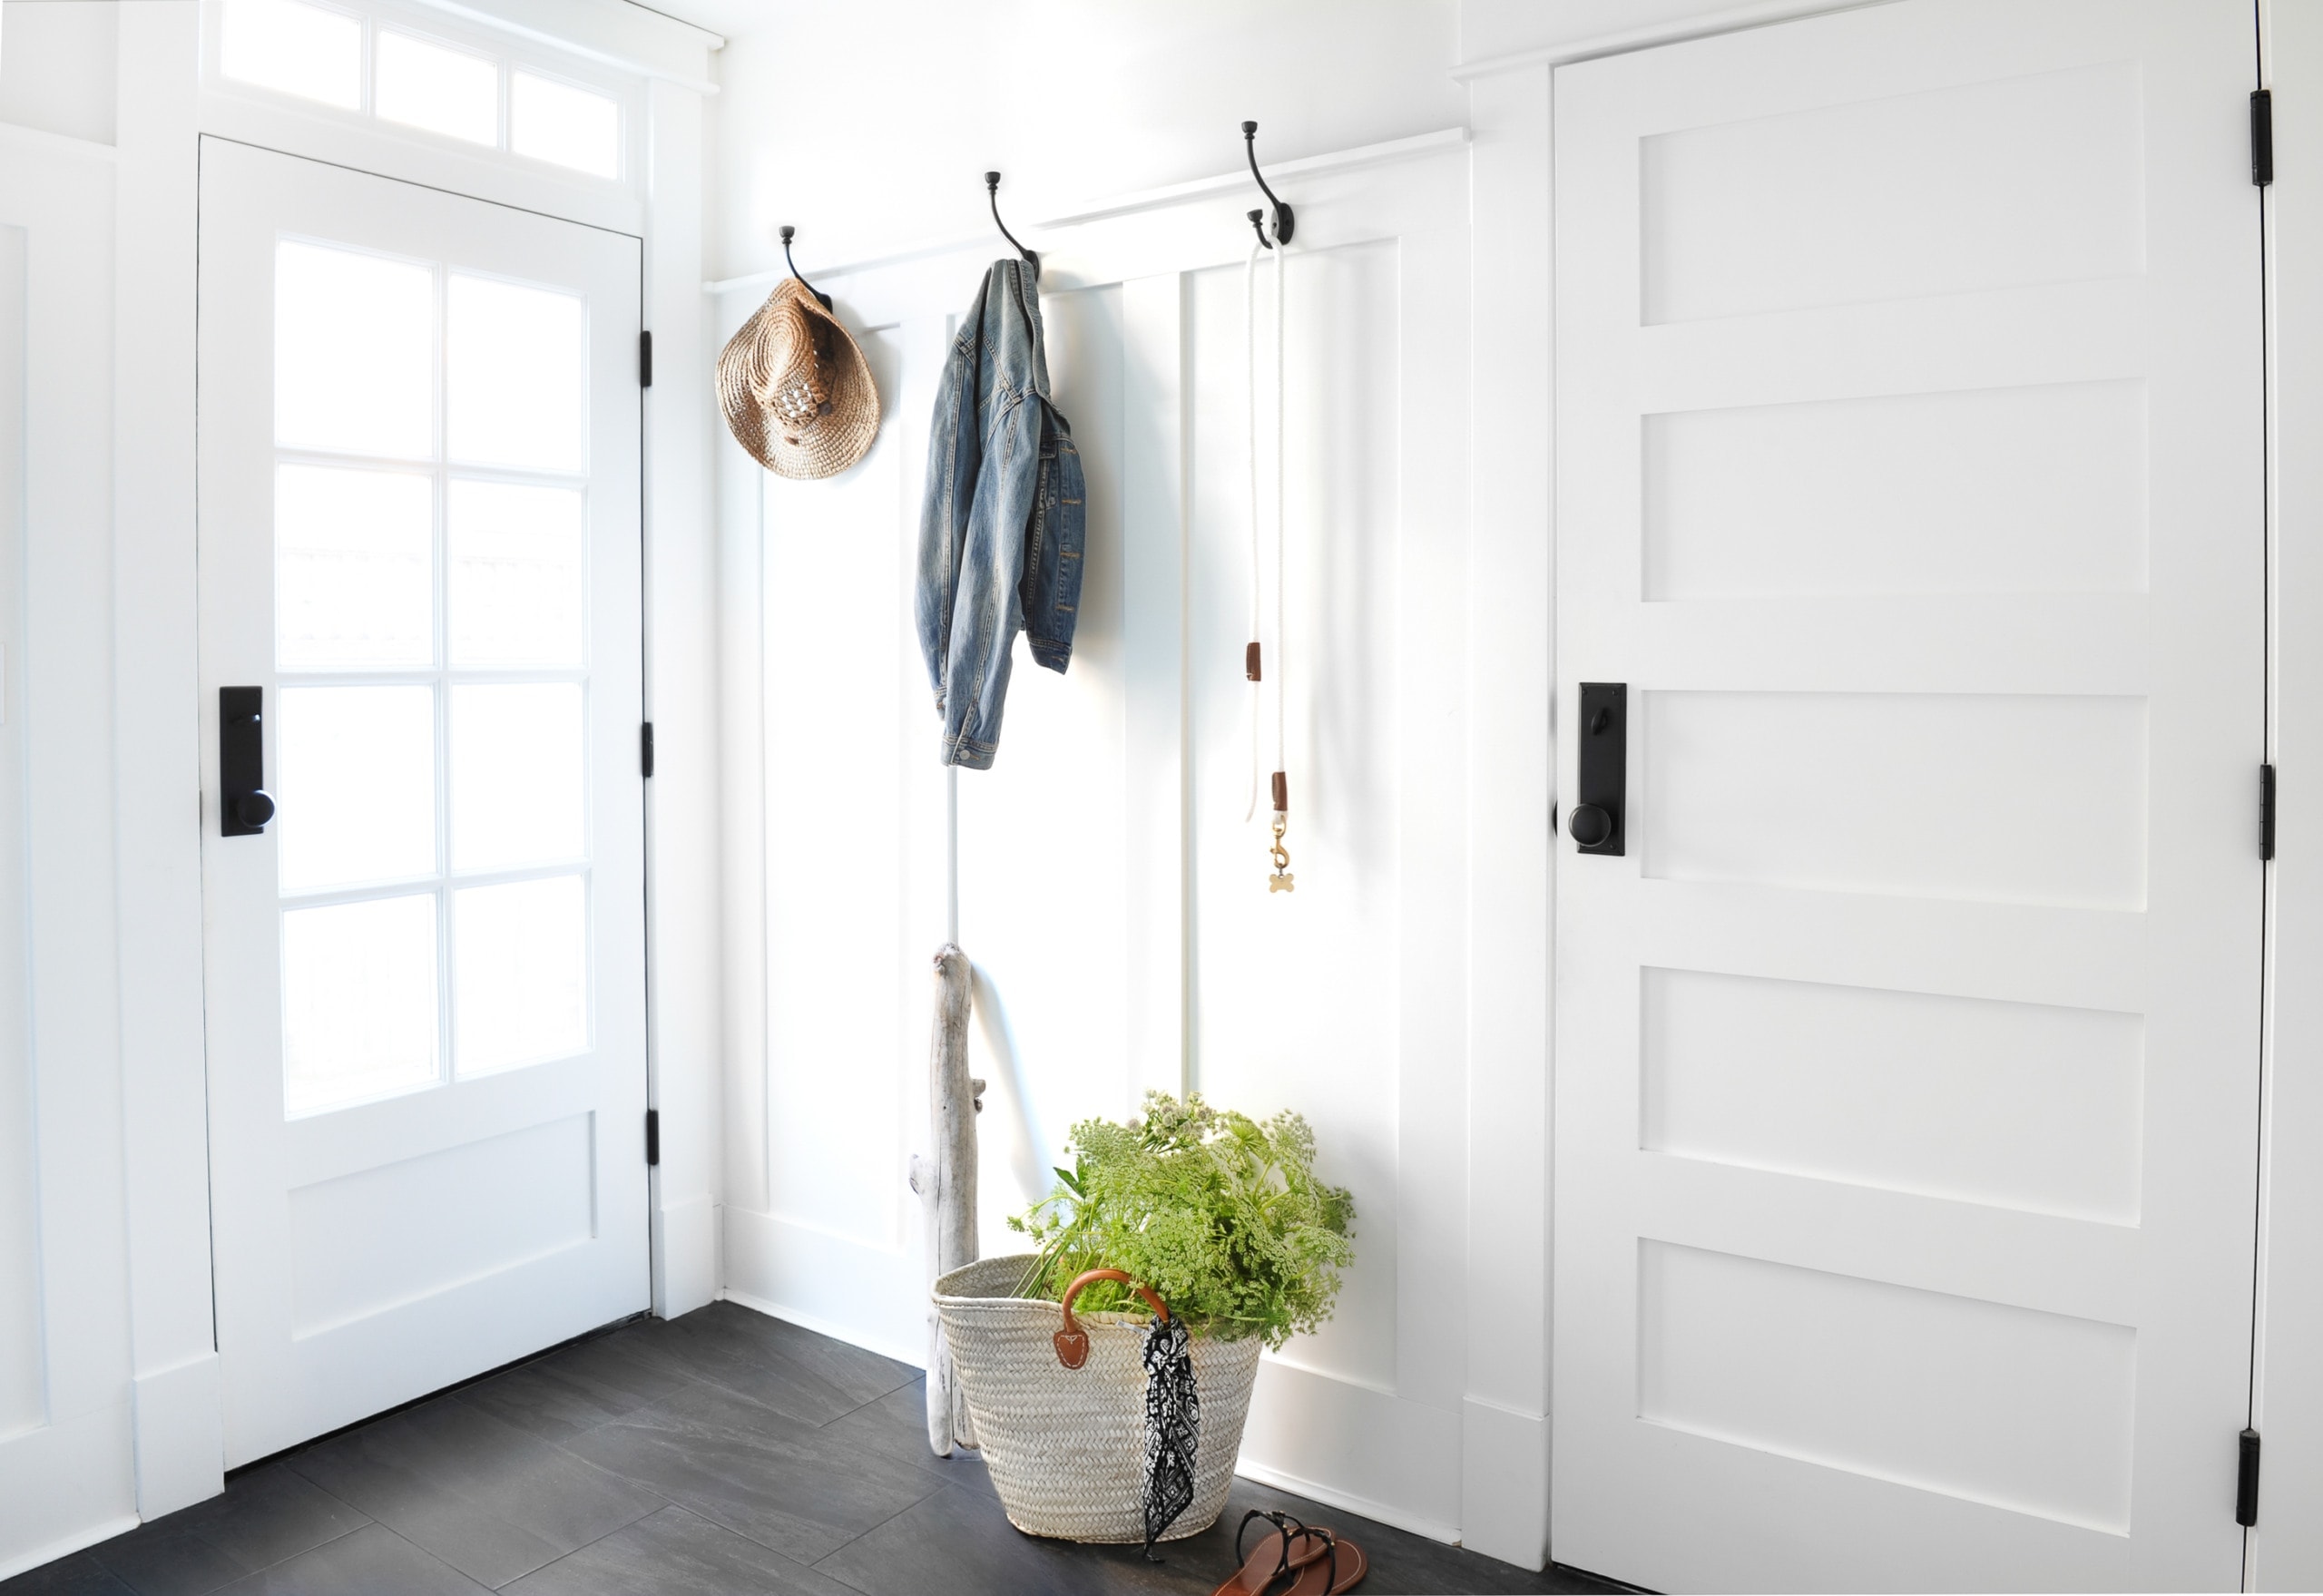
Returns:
<point x="1280" y="881"/>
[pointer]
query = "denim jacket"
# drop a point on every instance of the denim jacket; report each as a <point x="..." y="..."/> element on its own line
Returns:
<point x="1002" y="529"/>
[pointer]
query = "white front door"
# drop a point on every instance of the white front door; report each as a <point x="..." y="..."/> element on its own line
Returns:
<point x="1909" y="465"/>
<point x="419" y="563"/>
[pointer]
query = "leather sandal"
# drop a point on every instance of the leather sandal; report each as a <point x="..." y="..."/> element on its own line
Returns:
<point x="1275" y="1559"/>
<point x="1340" y="1567"/>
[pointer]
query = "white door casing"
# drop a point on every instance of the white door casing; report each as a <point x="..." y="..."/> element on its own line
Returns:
<point x="424" y="548"/>
<point x="1909" y="442"/>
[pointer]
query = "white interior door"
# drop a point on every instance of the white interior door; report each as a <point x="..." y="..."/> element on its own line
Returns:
<point x="420" y="538"/>
<point x="1908" y="443"/>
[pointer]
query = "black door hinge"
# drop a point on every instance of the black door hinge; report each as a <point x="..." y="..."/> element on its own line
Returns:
<point x="646" y="359"/>
<point x="652" y="1137"/>
<point x="2245" y="1482"/>
<point x="2263" y="137"/>
<point x="645" y="749"/>
<point x="2266" y="811"/>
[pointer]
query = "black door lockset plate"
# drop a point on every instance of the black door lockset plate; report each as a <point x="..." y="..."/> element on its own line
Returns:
<point x="1596" y="824"/>
<point x="245" y="808"/>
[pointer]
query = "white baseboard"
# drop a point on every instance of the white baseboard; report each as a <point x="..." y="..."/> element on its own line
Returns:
<point x="915" y="1356"/>
<point x="1349" y="1502"/>
<point x="181" y="1435"/>
<point x="79" y="1540"/>
<point x="1505" y="1483"/>
<point x="685" y="1256"/>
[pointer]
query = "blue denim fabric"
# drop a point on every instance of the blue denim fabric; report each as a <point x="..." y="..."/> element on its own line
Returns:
<point x="1002" y="529"/>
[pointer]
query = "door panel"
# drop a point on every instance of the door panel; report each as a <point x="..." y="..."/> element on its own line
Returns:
<point x="1910" y="476"/>
<point x="419" y="538"/>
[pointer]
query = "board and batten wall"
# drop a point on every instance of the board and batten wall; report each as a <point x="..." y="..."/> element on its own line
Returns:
<point x="1102" y="877"/>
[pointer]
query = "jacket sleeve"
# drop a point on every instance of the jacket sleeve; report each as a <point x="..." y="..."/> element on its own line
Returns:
<point x="952" y="457"/>
<point x="986" y="613"/>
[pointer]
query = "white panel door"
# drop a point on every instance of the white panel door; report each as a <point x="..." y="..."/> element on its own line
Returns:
<point x="1908" y="441"/>
<point x="419" y="525"/>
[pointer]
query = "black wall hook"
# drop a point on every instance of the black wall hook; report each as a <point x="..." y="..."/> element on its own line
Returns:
<point x="992" y="190"/>
<point x="787" y="232"/>
<point x="1283" y="220"/>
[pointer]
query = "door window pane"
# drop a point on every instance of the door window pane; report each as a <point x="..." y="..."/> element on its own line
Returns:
<point x="556" y="121"/>
<point x="520" y="986"/>
<point x="353" y="569"/>
<point x="355" y="778"/>
<point x="302" y="50"/>
<point x="517" y="566"/>
<point x="513" y="377"/>
<point x="516" y="775"/>
<point x="354" y="337"/>
<point x="429" y="87"/>
<point x="358" y="1001"/>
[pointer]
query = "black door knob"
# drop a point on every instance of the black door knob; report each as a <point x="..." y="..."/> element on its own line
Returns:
<point x="1590" y="825"/>
<point x="253" y="809"/>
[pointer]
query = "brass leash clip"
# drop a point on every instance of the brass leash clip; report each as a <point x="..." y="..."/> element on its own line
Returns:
<point x="1281" y="880"/>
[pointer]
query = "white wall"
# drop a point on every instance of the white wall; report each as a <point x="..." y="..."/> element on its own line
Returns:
<point x="869" y="127"/>
<point x="1101" y="875"/>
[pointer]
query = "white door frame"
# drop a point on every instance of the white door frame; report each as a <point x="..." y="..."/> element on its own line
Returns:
<point x="164" y="105"/>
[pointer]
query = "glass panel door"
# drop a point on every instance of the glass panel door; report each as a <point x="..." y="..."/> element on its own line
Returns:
<point x="420" y="543"/>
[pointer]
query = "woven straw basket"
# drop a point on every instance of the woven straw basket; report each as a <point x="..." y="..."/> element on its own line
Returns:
<point x="1066" y="1446"/>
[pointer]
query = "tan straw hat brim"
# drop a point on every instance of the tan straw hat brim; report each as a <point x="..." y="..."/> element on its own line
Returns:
<point x="796" y="392"/>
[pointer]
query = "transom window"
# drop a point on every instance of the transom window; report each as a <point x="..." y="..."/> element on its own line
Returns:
<point x="380" y="69"/>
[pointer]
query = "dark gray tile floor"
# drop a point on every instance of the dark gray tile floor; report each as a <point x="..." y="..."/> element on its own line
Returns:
<point x="723" y="1453"/>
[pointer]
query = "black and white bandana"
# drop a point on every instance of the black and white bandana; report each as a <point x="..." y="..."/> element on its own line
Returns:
<point x="1172" y="1427"/>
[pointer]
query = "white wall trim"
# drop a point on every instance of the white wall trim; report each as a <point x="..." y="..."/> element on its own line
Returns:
<point x="478" y="17"/>
<point x="80" y="1541"/>
<point x="39" y="140"/>
<point x="1349" y="1502"/>
<point x="1417" y="147"/>
<point x="1674" y="30"/>
<point x="915" y="1356"/>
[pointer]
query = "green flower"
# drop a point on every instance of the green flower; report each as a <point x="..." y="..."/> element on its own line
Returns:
<point x="1219" y="1213"/>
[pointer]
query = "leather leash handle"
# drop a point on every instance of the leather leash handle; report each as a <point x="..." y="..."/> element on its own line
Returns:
<point x="1073" y="1341"/>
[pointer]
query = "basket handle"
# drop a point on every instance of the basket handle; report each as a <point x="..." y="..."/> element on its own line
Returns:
<point x="1073" y="1341"/>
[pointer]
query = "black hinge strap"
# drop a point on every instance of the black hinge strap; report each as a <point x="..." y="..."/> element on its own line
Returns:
<point x="2262" y="136"/>
<point x="2245" y="1482"/>
<point x="646" y="359"/>
<point x="652" y="1137"/>
<point x="645" y="748"/>
<point x="2266" y="811"/>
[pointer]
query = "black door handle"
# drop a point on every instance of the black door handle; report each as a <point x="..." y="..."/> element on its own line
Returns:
<point x="242" y="762"/>
<point x="1602" y="769"/>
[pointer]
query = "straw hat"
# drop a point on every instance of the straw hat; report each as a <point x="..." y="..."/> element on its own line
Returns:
<point x="797" y="391"/>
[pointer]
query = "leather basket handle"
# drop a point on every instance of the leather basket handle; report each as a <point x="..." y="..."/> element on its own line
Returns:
<point x="1073" y="1341"/>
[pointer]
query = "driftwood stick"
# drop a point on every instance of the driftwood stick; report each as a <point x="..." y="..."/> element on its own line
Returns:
<point x="946" y="1184"/>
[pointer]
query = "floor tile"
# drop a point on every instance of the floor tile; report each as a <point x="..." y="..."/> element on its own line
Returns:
<point x="958" y="1540"/>
<point x="793" y="1371"/>
<point x="484" y="1496"/>
<point x="784" y="1483"/>
<point x="80" y="1574"/>
<point x="895" y="1427"/>
<point x="372" y="1561"/>
<point x="576" y="1387"/>
<point x="265" y="1515"/>
<point x="676" y="1554"/>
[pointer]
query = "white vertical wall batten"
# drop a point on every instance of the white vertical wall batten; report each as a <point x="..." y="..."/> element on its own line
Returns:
<point x="158" y="746"/>
<point x="66" y="1450"/>
<point x="682" y="887"/>
<point x="1511" y="636"/>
